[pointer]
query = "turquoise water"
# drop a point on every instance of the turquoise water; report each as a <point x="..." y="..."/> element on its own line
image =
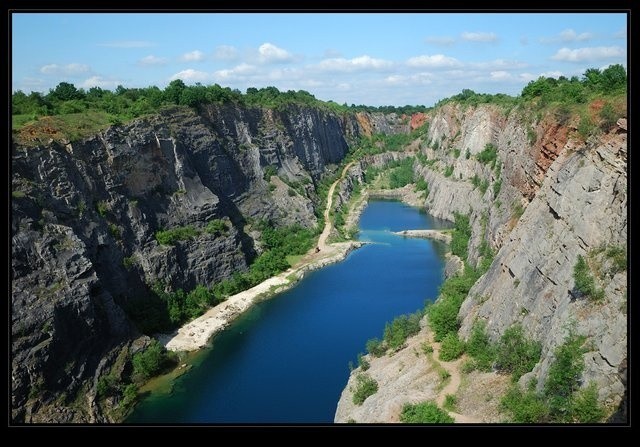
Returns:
<point x="286" y="360"/>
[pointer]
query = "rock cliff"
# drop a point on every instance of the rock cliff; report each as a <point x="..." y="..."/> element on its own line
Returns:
<point x="84" y="217"/>
<point x="548" y="198"/>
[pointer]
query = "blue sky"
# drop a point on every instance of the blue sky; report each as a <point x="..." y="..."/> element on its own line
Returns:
<point x="364" y="58"/>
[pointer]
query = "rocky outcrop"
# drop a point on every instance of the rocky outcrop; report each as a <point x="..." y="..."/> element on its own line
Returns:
<point x="84" y="220"/>
<point x="548" y="198"/>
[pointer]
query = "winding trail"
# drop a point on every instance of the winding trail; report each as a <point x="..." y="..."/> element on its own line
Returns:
<point x="453" y="368"/>
<point x="328" y="226"/>
<point x="196" y="334"/>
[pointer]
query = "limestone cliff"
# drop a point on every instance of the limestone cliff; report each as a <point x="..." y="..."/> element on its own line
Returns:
<point x="84" y="216"/>
<point x="548" y="198"/>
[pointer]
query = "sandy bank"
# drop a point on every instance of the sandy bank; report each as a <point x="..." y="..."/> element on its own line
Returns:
<point x="426" y="234"/>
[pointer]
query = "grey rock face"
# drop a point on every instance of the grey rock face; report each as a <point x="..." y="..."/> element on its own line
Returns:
<point x="85" y="215"/>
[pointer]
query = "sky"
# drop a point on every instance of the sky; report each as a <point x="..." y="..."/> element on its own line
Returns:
<point x="357" y="58"/>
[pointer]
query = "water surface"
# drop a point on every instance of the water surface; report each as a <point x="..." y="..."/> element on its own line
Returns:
<point x="286" y="359"/>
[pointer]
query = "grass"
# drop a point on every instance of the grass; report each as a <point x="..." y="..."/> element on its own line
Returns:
<point x="294" y="259"/>
<point x="70" y="127"/>
<point x="424" y="413"/>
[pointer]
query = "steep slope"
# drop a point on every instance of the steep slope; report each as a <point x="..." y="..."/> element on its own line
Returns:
<point x="84" y="217"/>
<point x="548" y="198"/>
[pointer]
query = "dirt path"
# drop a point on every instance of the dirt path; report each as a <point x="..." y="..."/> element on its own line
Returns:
<point x="328" y="225"/>
<point x="453" y="368"/>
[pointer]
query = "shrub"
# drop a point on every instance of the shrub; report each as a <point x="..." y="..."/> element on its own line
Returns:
<point x="402" y="175"/>
<point x="365" y="387"/>
<point x="451" y="348"/>
<point x="484" y="185"/>
<point x="515" y="353"/>
<point x="102" y="208"/>
<point x="460" y="236"/>
<point x="496" y="188"/>
<point x="422" y="185"/>
<point x="585" y="407"/>
<point x="608" y="116"/>
<point x="375" y="347"/>
<point x="448" y="171"/>
<point x="128" y="262"/>
<point x="488" y="155"/>
<point x="450" y="401"/>
<point x="456" y="153"/>
<point x="424" y="413"/>
<point x="564" y="374"/>
<point x="152" y="360"/>
<point x="401" y="328"/>
<point x="467" y="154"/>
<point x="618" y="256"/>
<point x="270" y="171"/>
<point x="525" y="407"/>
<point x="173" y="235"/>
<point x="216" y="227"/>
<point x="479" y="347"/>
<point x="363" y="363"/>
<point x="585" y="282"/>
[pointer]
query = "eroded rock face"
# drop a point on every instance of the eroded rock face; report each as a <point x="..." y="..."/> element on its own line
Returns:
<point x="85" y="215"/>
<point x="550" y="197"/>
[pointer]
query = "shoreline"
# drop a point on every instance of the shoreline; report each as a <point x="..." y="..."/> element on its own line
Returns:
<point x="198" y="333"/>
<point x="437" y="235"/>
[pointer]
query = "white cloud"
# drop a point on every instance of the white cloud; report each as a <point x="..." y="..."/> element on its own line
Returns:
<point x="479" y="37"/>
<point x="566" y="36"/>
<point x="356" y="64"/>
<point x="330" y="52"/>
<point x="622" y="34"/>
<point x="435" y="61"/>
<point x="236" y="72"/>
<point x="588" y="54"/>
<point x="499" y="64"/>
<point x="344" y="86"/>
<point x="270" y="53"/>
<point x="444" y="41"/>
<point x="226" y="52"/>
<point x="65" y="70"/>
<point x="500" y="75"/>
<point x="192" y="56"/>
<point x="127" y="44"/>
<point x="526" y="77"/>
<point x="152" y="60"/>
<point x="99" y="81"/>
<point x="191" y="75"/>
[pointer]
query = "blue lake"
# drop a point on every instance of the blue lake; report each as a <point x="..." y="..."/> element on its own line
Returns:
<point x="286" y="359"/>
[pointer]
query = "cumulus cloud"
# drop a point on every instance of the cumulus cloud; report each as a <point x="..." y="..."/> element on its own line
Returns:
<point x="269" y="53"/>
<point x="587" y="54"/>
<point x="193" y="56"/>
<point x="359" y="63"/>
<point x="435" y="61"/>
<point x="479" y="37"/>
<point x="152" y="60"/>
<point x="226" y="52"/>
<point x="127" y="44"/>
<point x="499" y="64"/>
<point x="65" y="70"/>
<point x="99" y="81"/>
<point x="444" y="41"/>
<point x="566" y="36"/>
<point x="500" y="75"/>
<point x="622" y="34"/>
<point x="191" y="75"/>
<point x="238" y="71"/>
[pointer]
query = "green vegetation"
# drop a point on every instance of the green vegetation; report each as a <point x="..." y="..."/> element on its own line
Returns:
<point x="562" y="399"/>
<point x="461" y="235"/>
<point x="451" y="348"/>
<point x="128" y="262"/>
<point x="423" y="186"/>
<point x="173" y="235"/>
<point x="585" y="282"/>
<point x="395" y="334"/>
<point x="270" y="171"/>
<point x="515" y="353"/>
<point x="152" y="361"/>
<point x="480" y="349"/>
<point x="618" y="257"/>
<point x="448" y="171"/>
<point x="402" y="175"/>
<point x="484" y="185"/>
<point x="102" y="208"/>
<point x="216" y="227"/>
<point x="497" y="185"/>
<point x="488" y="155"/>
<point x="401" y="328"/>
<point x="18" y="194"/>
<point x="456" y="153"/>
<point x="365" y="387"/>
<point x="450" y="402"/>
<point x="424" y="413"/>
